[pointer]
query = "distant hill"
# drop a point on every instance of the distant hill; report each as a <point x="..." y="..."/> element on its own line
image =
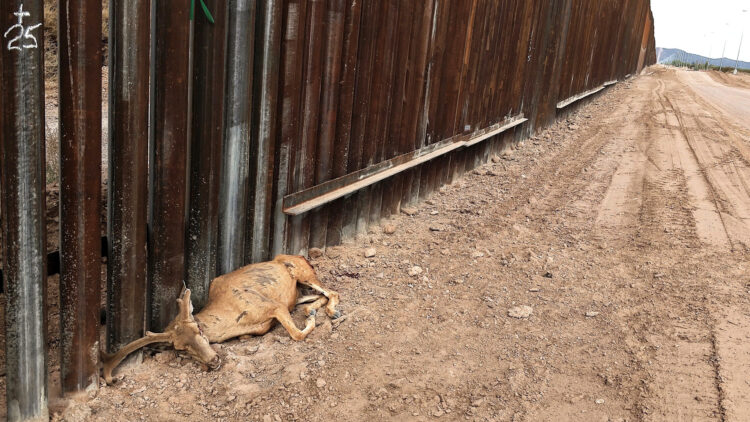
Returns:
<point x="669" y="55"/>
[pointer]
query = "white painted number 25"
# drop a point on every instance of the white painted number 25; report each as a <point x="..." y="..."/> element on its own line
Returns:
<point x="23" y="38"/>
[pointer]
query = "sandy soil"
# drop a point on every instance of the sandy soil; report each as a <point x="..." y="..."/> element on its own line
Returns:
<point x="625" y="229"/>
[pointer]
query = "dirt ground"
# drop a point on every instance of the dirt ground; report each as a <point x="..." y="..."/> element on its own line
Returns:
<point x="626" y="230"/>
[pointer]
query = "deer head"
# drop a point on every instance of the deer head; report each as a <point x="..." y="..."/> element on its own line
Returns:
<point x="183" y="333"/>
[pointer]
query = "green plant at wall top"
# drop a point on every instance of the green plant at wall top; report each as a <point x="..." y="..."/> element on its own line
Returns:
<point x="205" y="11"/>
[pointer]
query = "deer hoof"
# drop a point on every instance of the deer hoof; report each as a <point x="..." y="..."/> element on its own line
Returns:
<point x="336" y="315"/>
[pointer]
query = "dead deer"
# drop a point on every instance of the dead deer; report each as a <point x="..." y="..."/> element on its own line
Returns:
<point x="243" y="302"/>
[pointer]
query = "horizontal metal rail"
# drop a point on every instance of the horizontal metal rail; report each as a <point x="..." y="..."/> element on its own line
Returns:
<point x="324" y="193"/>
<point x="575" y="98"/>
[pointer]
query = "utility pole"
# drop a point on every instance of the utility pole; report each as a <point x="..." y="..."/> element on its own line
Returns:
<point x="736" y="63"/>
<point x="724" y="50"/>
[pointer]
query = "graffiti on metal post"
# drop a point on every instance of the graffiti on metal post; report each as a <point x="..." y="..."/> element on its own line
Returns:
<point x="24" y="33"/>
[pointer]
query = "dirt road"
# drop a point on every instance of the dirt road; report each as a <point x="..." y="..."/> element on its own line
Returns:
<point x="625" y="228"/>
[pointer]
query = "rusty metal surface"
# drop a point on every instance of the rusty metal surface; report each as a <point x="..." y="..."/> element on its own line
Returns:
<point x="22" y="156"/>
<point x="80" y="191"/>
<point x="128" y="157"/>
<point x="290" y="97"/>
<point x="207" y="130"/>
<point x="268" y="46"/>
<point x="169" y="156"/>
<point x="235" y="170"/>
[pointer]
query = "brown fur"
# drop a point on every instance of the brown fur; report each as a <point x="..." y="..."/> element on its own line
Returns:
<point x="243" y="302"/>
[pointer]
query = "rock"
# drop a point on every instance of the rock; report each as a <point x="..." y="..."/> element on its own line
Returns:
<point x="333" y="252"/>
<point x="436" y="228"/>
<point x="548" y="275"/>
<point x="410" y="211"/>
<point x="415" y="271"/>
<point x="599" y="401"/>
<point x="370" y="252"/>
<point x="495" y="159"/>
<point x="573" y="127"/>
<point x="534" y="289"/>
<point x="520" y="312"/>
<point x="477" y="254"/>
<point x="480" y="172"/>
<point x="315" y="253"/>
<point x="320" y="383"/>
<point x="591" y="314"/>
<point x="434" y="212"/>
<point x="389" y="229"/>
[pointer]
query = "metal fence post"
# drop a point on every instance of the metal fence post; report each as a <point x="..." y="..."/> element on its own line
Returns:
<point x="130" y="23"/>
<point x="233" y="191"/>
<point x="209" y="71"/>
<point x="169" y="155"/>
<point x="80" y="191"/>
<point x="23" y="207"/>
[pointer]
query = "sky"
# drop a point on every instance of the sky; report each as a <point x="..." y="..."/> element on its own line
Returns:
<point x="703" y="26"/>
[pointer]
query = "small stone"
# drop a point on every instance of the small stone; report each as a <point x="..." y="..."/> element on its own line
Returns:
<point x="389" y="229"/>
<point x="520" y="312"/>
<point x="495" y="159"/>
<point x="548" y="275"/>
<point x="591" y="314"/>
<point x="409" y="211"/>
<point x="534" y="289"/>
<point x="315" y="253"/>
<point x="573" y="127"/>
<point x="320" y="383"/>
<point x="480" y="172"/>
<point x="477" y="254"/>
<point x="599" y="401"/>
<point x="434" y="212"/>
<point x="415" y="271"/>
<point x="370" y="252"/>
<point x="436" y="228"/>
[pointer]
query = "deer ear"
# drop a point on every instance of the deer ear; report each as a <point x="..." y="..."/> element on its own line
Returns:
<point x="186" y="305"/>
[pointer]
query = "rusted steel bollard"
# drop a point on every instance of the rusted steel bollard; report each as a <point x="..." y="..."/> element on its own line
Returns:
<point x="233" y="195"/>
<point x="209" y="70"/>
<point x="80" y="191"/>
<point x="128" y="172"/>
<point x="171" y="103"/>
<point x="22" y="177"/>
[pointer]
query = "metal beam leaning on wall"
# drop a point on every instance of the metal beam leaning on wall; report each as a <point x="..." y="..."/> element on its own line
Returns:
<point x="130" y="23"/>
<point x="265" y="95"/>
<point x="169" y="152"/>
<point x="235" y="169"/>
<point x="22" y="159"/>
<point x="80" y="191"/>
<point x="207" y="129"/>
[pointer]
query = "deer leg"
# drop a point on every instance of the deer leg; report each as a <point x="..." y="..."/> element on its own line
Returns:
<point x="333" y="297"/>
<point x="308" y="299"/>
<point x="282" y="315"/>
<point x="312" y="308"/>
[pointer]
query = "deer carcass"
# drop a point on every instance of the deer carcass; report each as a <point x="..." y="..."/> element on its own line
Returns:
<point x="243" y="302"/>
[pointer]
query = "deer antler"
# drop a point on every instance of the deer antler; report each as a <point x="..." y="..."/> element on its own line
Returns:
<point x="110" y="362"/>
